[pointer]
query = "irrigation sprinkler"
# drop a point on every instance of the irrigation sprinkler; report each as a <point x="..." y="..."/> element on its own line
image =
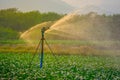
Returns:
<point x="41" y="46"/>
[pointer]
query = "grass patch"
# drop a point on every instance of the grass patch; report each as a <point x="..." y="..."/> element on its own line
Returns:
<point x="3" y="42"/>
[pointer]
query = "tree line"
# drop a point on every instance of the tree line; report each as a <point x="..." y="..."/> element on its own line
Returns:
<point x="20" y="21"/>
<point x="13" y="21"/>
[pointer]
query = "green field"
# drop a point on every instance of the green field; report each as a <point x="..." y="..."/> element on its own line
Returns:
<point x="71" y="62"/>
<point x="63" y="67"/>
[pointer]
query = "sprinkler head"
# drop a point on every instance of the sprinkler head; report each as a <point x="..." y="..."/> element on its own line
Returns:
<point x="44" y="29"/>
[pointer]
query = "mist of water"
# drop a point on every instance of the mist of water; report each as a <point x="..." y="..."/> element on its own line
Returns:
<point x="34" y="33"/>
<point x="91" y="28"/>
<point x="88" y="29"/>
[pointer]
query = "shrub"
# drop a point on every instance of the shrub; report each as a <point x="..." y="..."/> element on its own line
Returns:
<point x="8" y="34"/>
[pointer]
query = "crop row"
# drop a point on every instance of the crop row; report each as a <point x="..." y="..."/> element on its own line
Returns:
<point x="68" y="67"/>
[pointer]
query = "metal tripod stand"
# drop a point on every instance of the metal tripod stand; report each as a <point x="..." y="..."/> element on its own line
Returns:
<point x="41" y="45"/>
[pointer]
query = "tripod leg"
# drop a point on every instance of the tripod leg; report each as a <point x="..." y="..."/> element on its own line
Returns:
<point x="34" y="53"/>
<point x="51" y="50"/>
<point x="42" y="52"/>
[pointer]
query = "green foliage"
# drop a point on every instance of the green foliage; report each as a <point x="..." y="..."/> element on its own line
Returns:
<point x="72" y="67"/>
<point x="8" y="33"/>
<point x="21" y="21"/>
<point x="50" y="16"/>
